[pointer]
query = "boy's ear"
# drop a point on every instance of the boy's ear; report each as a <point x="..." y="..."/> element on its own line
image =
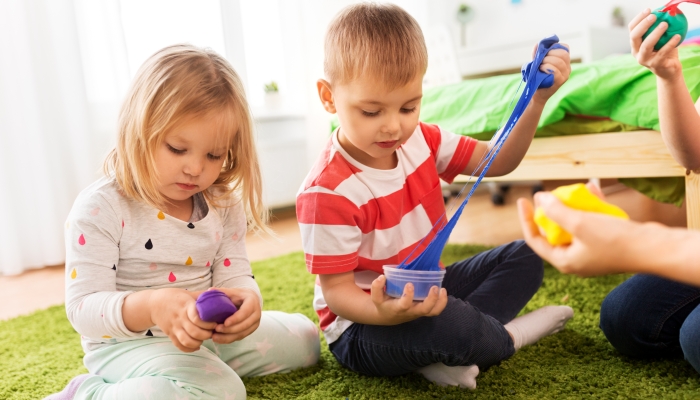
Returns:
<point x="326" y="95"/>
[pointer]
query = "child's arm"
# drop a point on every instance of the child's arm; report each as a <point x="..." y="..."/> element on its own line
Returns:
<point x="556" y="62"/>
<point x="94" y="306"/>
<point x="678" y="116"/>
<point x="347" y="300"/>
<point x="607" y="245"/>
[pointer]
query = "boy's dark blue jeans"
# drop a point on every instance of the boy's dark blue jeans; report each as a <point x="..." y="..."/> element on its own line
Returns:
<point x="484" y="293"/>
<point x="651" y="317"/>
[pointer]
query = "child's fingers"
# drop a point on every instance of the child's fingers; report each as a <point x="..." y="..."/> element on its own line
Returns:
<point x="186" y="342"/>
<point x="196" y="332"/>
<point x="239" y="331"/>
<point x="429" y="302"/>
<point x="224" y="338"/>
<point x="669" y="47"/>
<point x="641" y="28"/>
<point x="406" y="300"/>
<point x="440" y="304"/>
<point x="241" y="323"/>
<point x="377" y="290"/>
<point x="193" y="316"/>
<point x="637" y="19"/>
<point x="647" y="46"/>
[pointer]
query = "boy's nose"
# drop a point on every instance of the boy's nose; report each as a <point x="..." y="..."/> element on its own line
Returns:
<point x="393" y="125"/>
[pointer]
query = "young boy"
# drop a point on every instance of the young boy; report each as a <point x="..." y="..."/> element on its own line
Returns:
<point x="375" y="193"/>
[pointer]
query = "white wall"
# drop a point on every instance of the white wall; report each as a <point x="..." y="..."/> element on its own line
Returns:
<point x="498" y="21"/>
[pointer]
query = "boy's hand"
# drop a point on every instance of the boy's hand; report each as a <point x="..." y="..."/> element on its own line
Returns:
<point x="401" y="310"/>
<point x="175" y="313"/>
<point x="244" y="321"/>
<point x="557" y="62"/>
<point x="663" y="63"/>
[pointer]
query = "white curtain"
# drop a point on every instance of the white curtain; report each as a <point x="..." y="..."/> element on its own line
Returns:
<point x="51" y="143"/>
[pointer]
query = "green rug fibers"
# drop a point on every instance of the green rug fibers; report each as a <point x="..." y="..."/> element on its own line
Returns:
<point x="39" y="353"/>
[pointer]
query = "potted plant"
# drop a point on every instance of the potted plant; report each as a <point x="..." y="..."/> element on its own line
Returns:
<point x="465" y="14"/>
<point x="272" y="95"/>
<point x="618" y="18"/>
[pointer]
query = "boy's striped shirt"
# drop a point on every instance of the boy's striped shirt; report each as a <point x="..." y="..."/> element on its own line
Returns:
<point x="356" y="218"/>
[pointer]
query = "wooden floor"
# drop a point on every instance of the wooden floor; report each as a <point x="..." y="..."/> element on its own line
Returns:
<point x="481" y="223"/>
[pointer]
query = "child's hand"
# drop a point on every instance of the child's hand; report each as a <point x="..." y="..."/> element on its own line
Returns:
<point x="663" y="63"/>
<point x="405" y="309"/>
<point x="557" y="62"/>
<point x="244" y="322"/>
<point x="175" y="313"/>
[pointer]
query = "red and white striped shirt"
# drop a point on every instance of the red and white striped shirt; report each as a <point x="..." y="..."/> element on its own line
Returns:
<point x="356" y="218"/>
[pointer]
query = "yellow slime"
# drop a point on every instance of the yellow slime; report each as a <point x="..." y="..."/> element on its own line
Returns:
<point x="579" y="197"/>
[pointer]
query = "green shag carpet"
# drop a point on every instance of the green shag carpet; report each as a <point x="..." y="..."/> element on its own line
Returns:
<point x="40" y="353"/>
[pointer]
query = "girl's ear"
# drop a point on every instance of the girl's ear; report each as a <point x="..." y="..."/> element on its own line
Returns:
<point x="326" y="95"/>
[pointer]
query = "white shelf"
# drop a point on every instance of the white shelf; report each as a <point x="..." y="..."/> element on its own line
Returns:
<point x="593" y="43"/>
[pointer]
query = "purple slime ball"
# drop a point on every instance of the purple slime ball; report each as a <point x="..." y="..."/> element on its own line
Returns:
<point x="215" y="306"/>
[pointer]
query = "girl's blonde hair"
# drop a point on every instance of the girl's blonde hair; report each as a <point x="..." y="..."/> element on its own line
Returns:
<point x="177" y="83"/>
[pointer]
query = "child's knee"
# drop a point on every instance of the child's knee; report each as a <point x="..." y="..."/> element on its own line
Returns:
<point x="307" y="342"/>
<point x="299" y="338"/>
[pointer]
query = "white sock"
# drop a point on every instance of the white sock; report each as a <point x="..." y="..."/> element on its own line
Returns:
<point x="442" y="375"/>
<point x="533" y="326"/>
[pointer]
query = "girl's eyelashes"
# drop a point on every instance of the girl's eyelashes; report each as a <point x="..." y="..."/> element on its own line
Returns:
<point x="174" y="150"/>
<point x="408" y="110"/>
<point x="180" y="151"/>
<point x="369" y="113"/>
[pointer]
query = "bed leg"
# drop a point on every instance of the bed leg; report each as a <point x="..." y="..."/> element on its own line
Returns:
<point x="692" y="198"/>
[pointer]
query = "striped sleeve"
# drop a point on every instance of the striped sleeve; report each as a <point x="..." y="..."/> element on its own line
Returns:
<point x="451" y="151"/>
<point x="330" y="230"/>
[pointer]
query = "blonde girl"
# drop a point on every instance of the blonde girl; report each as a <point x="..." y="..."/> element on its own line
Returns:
<point x="166" y="223"/>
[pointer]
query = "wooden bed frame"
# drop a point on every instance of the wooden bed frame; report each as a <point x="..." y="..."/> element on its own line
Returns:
<point x="638" y="154"/>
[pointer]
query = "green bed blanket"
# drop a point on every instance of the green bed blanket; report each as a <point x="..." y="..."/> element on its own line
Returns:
<point x="617" y="88"/>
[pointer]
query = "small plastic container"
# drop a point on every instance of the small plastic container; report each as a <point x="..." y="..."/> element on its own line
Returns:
<point x="422" y="281"/>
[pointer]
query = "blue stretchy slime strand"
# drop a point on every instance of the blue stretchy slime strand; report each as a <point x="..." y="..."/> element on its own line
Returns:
<point x="429" y="259"/>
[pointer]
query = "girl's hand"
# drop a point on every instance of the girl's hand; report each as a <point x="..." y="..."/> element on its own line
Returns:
<point x="557" y="62"/>
<point x="663" y="63"/>
<point x="244" y="321"/>
<point x="396" y="311"/>
<point x="599" y="244"/>
<point x="175" y="313"/>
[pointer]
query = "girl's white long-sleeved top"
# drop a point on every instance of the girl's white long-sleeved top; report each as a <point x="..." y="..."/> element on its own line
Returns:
<point x="116" y="246"/>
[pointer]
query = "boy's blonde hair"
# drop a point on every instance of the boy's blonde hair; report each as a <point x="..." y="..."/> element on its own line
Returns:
<point x="177" y="83"/>
<point x="378" y="40"/>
